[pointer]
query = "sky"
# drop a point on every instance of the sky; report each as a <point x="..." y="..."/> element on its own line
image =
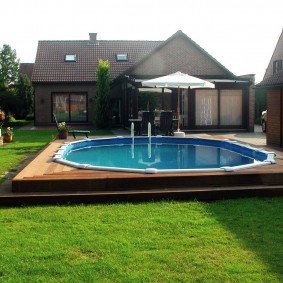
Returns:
<point x="240" y="34"/>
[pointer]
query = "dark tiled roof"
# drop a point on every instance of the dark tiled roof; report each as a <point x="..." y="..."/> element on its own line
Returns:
<point x="50" y="65"/>
<point x="274" y="80"/>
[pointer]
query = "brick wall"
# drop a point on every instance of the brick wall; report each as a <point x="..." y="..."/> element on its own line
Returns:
<point x="179" y="55"/>
<point x="274" y="124"/>
<point x="43" y="107"/>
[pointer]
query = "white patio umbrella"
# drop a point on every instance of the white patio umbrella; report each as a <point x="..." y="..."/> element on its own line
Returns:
<point x="178" y="80"/>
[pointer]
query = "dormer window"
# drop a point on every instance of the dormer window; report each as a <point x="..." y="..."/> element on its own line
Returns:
<point x="121" y="57"/>
<point x="277" y="66"/>
<point x="70" y="58"/>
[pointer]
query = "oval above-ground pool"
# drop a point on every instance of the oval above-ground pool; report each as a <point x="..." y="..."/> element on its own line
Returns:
<point x="161" y="155"/>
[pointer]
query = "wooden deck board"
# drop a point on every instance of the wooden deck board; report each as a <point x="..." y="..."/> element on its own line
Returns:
<point x="43" y="176"/>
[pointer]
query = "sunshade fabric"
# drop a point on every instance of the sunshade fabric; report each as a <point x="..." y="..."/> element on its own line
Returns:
<point x="178" y="80"/>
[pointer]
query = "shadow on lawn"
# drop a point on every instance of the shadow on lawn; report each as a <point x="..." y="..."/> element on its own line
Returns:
<point x="258" y="226"/>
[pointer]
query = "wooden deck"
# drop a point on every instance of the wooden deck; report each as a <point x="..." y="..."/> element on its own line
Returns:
<point x="44" y="181"/>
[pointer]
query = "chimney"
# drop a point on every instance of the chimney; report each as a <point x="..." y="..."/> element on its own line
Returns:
<point x="92" y="37"/>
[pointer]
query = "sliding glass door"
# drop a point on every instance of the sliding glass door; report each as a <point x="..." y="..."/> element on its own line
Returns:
<point x="70" y="107"/>
<point x="231" y="105"/>
<point x="206" y="107"/>
<point x="219" y="108"/>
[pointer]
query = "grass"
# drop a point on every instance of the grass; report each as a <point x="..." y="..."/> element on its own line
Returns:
<point x="25" y="144"/>
<point x="225" y="241"/>
<point x="169" y="241"/>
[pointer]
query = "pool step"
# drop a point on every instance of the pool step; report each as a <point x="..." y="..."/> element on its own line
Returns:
<point x="199" y="193"/>
<point x="81" y="180"/>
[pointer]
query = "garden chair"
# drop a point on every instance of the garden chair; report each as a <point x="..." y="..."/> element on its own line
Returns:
<point x="147" y="117"/>
<point x="74" y="132"/>
<point x="166" y="123"/>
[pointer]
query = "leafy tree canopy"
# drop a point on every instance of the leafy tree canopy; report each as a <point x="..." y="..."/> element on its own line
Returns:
<point x="25" y="93"/>
<point x="148" y="101"/>
<point x="102" y="101"/>
<point x="9" y="67"/>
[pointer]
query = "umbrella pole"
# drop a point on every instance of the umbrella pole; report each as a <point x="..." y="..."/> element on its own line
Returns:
<point x="178" y="110"/>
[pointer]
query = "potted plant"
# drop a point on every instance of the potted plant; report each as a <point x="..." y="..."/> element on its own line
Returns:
<point x="8" y="135"/>
<point x="2" y="115"/>
<point x="2" y="118"/>
<point x="63" y="129"/>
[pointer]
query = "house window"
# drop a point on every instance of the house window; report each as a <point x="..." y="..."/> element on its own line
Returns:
<point x="277" y="66"/>
<point x="121" y="57"/>
<point x="70" y="58"/>
<point x="70" y="107"/>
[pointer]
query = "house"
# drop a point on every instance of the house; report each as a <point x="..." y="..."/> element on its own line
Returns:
<point x="273" y="83"/>
<point x="64" y="80"/>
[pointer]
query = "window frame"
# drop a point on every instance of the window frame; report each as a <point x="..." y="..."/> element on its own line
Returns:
<point x="70" y="58"/>
<point x="125" y="59"/>
<point x="277" y="66"/>
<point x="69" y="94"/>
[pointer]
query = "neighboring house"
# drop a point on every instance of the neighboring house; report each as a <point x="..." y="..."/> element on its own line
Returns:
<point x="273" y="83"/>
<point x="64" y="80"/>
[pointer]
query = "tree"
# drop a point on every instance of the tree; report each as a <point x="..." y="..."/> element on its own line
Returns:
<point x="25" y="93"/>
<point x="148" y="101"/>
<point x="9" y="67"/>
<point x="102" y="101"/>
<point x="10" y="102"/>
<point x="9" y="72"/>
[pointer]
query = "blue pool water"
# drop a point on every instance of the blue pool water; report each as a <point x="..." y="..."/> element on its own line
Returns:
<point x="161" y="155"/>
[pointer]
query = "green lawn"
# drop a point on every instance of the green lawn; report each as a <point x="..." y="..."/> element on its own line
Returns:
<point x="26" y="143"/>
<point x="169" y="241"/>
<point x="224" y="241"/>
